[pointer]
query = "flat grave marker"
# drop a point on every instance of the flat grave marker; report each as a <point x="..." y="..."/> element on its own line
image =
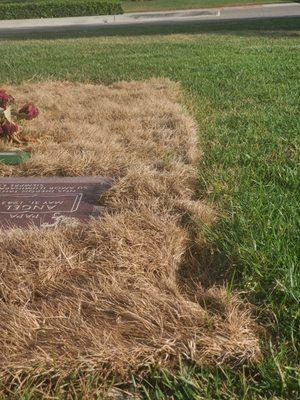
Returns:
<point x="44" y="201"/>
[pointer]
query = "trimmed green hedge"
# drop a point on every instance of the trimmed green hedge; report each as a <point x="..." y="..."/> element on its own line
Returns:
<point x="58" y="8"/>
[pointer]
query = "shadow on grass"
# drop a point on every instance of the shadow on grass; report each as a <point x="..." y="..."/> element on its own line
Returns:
<point x="286" y="26"/>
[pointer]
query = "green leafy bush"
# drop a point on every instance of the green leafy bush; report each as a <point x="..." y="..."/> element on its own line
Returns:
<point x="58" y="8"/>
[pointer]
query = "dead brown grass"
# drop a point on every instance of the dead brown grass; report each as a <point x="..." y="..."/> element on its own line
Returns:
<point x="107" y="298"/>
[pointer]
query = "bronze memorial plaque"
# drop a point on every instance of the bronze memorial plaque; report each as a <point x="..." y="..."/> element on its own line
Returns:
<point x="44" y="201"/>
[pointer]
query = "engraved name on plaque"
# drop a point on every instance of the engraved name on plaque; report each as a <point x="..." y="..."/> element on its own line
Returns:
<point x="44" y="201"/>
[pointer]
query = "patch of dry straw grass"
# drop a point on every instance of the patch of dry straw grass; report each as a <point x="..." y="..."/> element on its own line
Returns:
<point x="107" y="297"/>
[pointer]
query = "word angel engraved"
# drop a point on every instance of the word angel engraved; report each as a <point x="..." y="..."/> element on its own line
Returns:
<point x="44" y="202"/>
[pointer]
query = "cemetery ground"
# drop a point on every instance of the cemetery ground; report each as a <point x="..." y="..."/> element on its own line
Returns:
<point x="159" y="5"/>
<point x="240" y="83"/>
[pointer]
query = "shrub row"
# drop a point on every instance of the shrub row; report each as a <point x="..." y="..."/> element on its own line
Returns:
<point x="58" y="8"/>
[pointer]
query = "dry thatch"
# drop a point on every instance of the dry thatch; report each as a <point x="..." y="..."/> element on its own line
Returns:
<point x="124" y="291"/>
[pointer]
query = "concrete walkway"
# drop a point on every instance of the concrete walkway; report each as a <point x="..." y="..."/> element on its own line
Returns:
<point x="152" y="18"/>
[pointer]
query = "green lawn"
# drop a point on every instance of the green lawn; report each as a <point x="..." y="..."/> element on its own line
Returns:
<point x="156" y="5"/>
<point x="241" y="82"/>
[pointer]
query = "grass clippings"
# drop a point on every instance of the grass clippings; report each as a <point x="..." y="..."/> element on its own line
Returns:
<point x="108" y="298"/>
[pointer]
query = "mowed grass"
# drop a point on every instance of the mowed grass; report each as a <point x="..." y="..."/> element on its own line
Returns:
<point x="157" y="5"/>
<point x="241" y="82"/>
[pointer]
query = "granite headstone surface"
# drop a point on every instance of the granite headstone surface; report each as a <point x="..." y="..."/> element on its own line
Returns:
<point x="45" y="202"/>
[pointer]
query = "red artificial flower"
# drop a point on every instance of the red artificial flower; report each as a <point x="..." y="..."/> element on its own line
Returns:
<point x="29" y="111"/>
<point x="5" y="98"/>
<point x="9" y="128"/>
